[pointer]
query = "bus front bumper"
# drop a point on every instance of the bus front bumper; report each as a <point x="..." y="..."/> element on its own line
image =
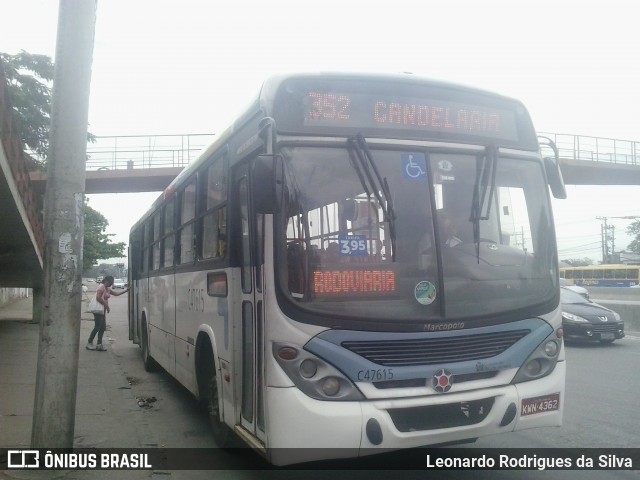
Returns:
<point x="303" y="429"/>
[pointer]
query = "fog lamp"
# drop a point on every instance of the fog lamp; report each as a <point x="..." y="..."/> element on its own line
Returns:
<point x="331" y="386"/>
<point x="534" y="367"/>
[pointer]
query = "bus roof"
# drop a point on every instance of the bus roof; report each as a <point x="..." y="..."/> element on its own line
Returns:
<point x="279" y="96"/>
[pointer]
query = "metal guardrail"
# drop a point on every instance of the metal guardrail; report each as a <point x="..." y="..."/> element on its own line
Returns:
<point x="158" y="151"/>
<point x="596" y="149"/>
<point x="137" y="151"/>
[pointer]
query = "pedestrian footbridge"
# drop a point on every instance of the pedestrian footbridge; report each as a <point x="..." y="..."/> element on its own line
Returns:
<point x="148" y="163"/>
<point x="597" y="161"/>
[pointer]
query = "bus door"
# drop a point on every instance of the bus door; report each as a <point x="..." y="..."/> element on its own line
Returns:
<point x="133" y="299"/>
<point x="249" y="320"/>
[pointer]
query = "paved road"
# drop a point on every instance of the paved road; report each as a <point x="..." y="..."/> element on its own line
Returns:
<point x="600" y="411"/>
<point x="600" y="407"/>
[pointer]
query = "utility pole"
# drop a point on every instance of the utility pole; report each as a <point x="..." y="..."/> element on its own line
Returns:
<point x="606" y="237"/>
<point x="57" y="374"/>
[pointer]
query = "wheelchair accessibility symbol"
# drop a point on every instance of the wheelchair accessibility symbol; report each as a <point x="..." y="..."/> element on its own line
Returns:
<point x="414" y="166"/>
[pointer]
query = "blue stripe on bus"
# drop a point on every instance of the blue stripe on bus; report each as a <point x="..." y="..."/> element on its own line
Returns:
<point x="327" y="346"/>
<point x="605" y="283"/>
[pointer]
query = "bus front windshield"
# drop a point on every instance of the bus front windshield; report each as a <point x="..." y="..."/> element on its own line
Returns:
<point x="407" y="235"/>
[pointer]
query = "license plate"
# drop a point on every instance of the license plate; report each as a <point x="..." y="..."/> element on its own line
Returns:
<point x="534" y="405"/>
<point x="607" y="336"/>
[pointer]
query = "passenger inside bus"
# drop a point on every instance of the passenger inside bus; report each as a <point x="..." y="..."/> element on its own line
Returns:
<point x="449" y="228"/>
<point x="449" y="233"/>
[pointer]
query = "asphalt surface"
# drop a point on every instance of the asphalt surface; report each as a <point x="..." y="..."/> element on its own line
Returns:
<point x="113" y="408"/>
<point x="107" y="410"/>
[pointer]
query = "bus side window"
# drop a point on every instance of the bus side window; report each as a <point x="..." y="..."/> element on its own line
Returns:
<point x="187" y="222"/>
<point x="155" y="265"/>
<point x="146" y="250"/>
<point x="214" y="221"/>
<point x="169" y="238"/>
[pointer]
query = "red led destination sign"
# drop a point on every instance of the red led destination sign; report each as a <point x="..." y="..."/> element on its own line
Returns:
<point x="354" y="282"/>
<point x="322" y="109"/>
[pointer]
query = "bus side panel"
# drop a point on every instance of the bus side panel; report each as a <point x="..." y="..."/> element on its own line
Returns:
<point x="133" y="307"/>
<point x="189" y="300"/>
<point x="169" y="320"/>
<point x="140" y="293"/>
<point x="162" y="321"/>
<point x="197" y="311"/>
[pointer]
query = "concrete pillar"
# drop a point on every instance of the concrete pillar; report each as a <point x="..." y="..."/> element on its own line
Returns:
<point x="57" y="373"/>
<point x="38" y="302"/>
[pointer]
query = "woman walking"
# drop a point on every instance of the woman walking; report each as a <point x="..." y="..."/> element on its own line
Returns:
<point x="103" y="292"/>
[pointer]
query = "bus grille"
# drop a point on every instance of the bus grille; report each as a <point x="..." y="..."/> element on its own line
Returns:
<point x="432" y="351"/>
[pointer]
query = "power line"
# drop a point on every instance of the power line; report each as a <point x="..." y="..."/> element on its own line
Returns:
<point x="608" y="233"/>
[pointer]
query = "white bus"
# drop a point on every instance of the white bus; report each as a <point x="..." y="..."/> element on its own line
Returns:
<point x="359" y="263"/>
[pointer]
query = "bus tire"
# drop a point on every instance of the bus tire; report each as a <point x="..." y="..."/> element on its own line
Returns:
<point x="222" y="434"/>
<point x="150" y="365"/>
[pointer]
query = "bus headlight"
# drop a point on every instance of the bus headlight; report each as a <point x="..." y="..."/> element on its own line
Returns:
<point x="551" y="348"/>
<point x="541" y="362"/>
<point x="313" y="376"/>
<point x="308" y="368"/>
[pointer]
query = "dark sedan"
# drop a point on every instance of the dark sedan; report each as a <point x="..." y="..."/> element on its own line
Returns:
<point x="586" y="320"/>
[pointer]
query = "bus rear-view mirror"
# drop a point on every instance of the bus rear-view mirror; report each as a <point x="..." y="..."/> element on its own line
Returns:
<point x="267" y="182"/>
<point x="552" y="168"/>
<point x="554" y="177"/>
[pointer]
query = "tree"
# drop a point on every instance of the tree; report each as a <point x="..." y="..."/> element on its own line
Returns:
<point x="634" y="231"/>
<point x="29" y="78"/>
<point x="102" y="270"/>
<point x="579" y="262"/>
<point x="97" y="244"/>
<point x="28" y="87"/>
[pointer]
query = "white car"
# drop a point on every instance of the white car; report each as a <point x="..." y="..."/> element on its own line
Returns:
<point x="575" y="288"/>
<point x="119" y="283"/>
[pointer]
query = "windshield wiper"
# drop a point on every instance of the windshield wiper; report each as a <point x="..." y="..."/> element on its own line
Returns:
<point x="483" y="191"/>
<point x="365" y="165"/>
<point x="298" y="201"/>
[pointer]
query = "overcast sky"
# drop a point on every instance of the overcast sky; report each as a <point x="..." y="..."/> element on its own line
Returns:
<point x="189" y="66"/>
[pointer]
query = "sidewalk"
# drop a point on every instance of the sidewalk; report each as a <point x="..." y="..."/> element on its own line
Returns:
<point x="107" y="414"/>
<point x="18" y="361"/>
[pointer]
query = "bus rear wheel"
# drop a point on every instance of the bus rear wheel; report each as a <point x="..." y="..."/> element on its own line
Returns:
<point x="222" y="434"/>
<point x="150" y="364"/>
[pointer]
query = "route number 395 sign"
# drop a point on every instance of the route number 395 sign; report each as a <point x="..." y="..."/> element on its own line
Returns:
<point x="353" y="245"/>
